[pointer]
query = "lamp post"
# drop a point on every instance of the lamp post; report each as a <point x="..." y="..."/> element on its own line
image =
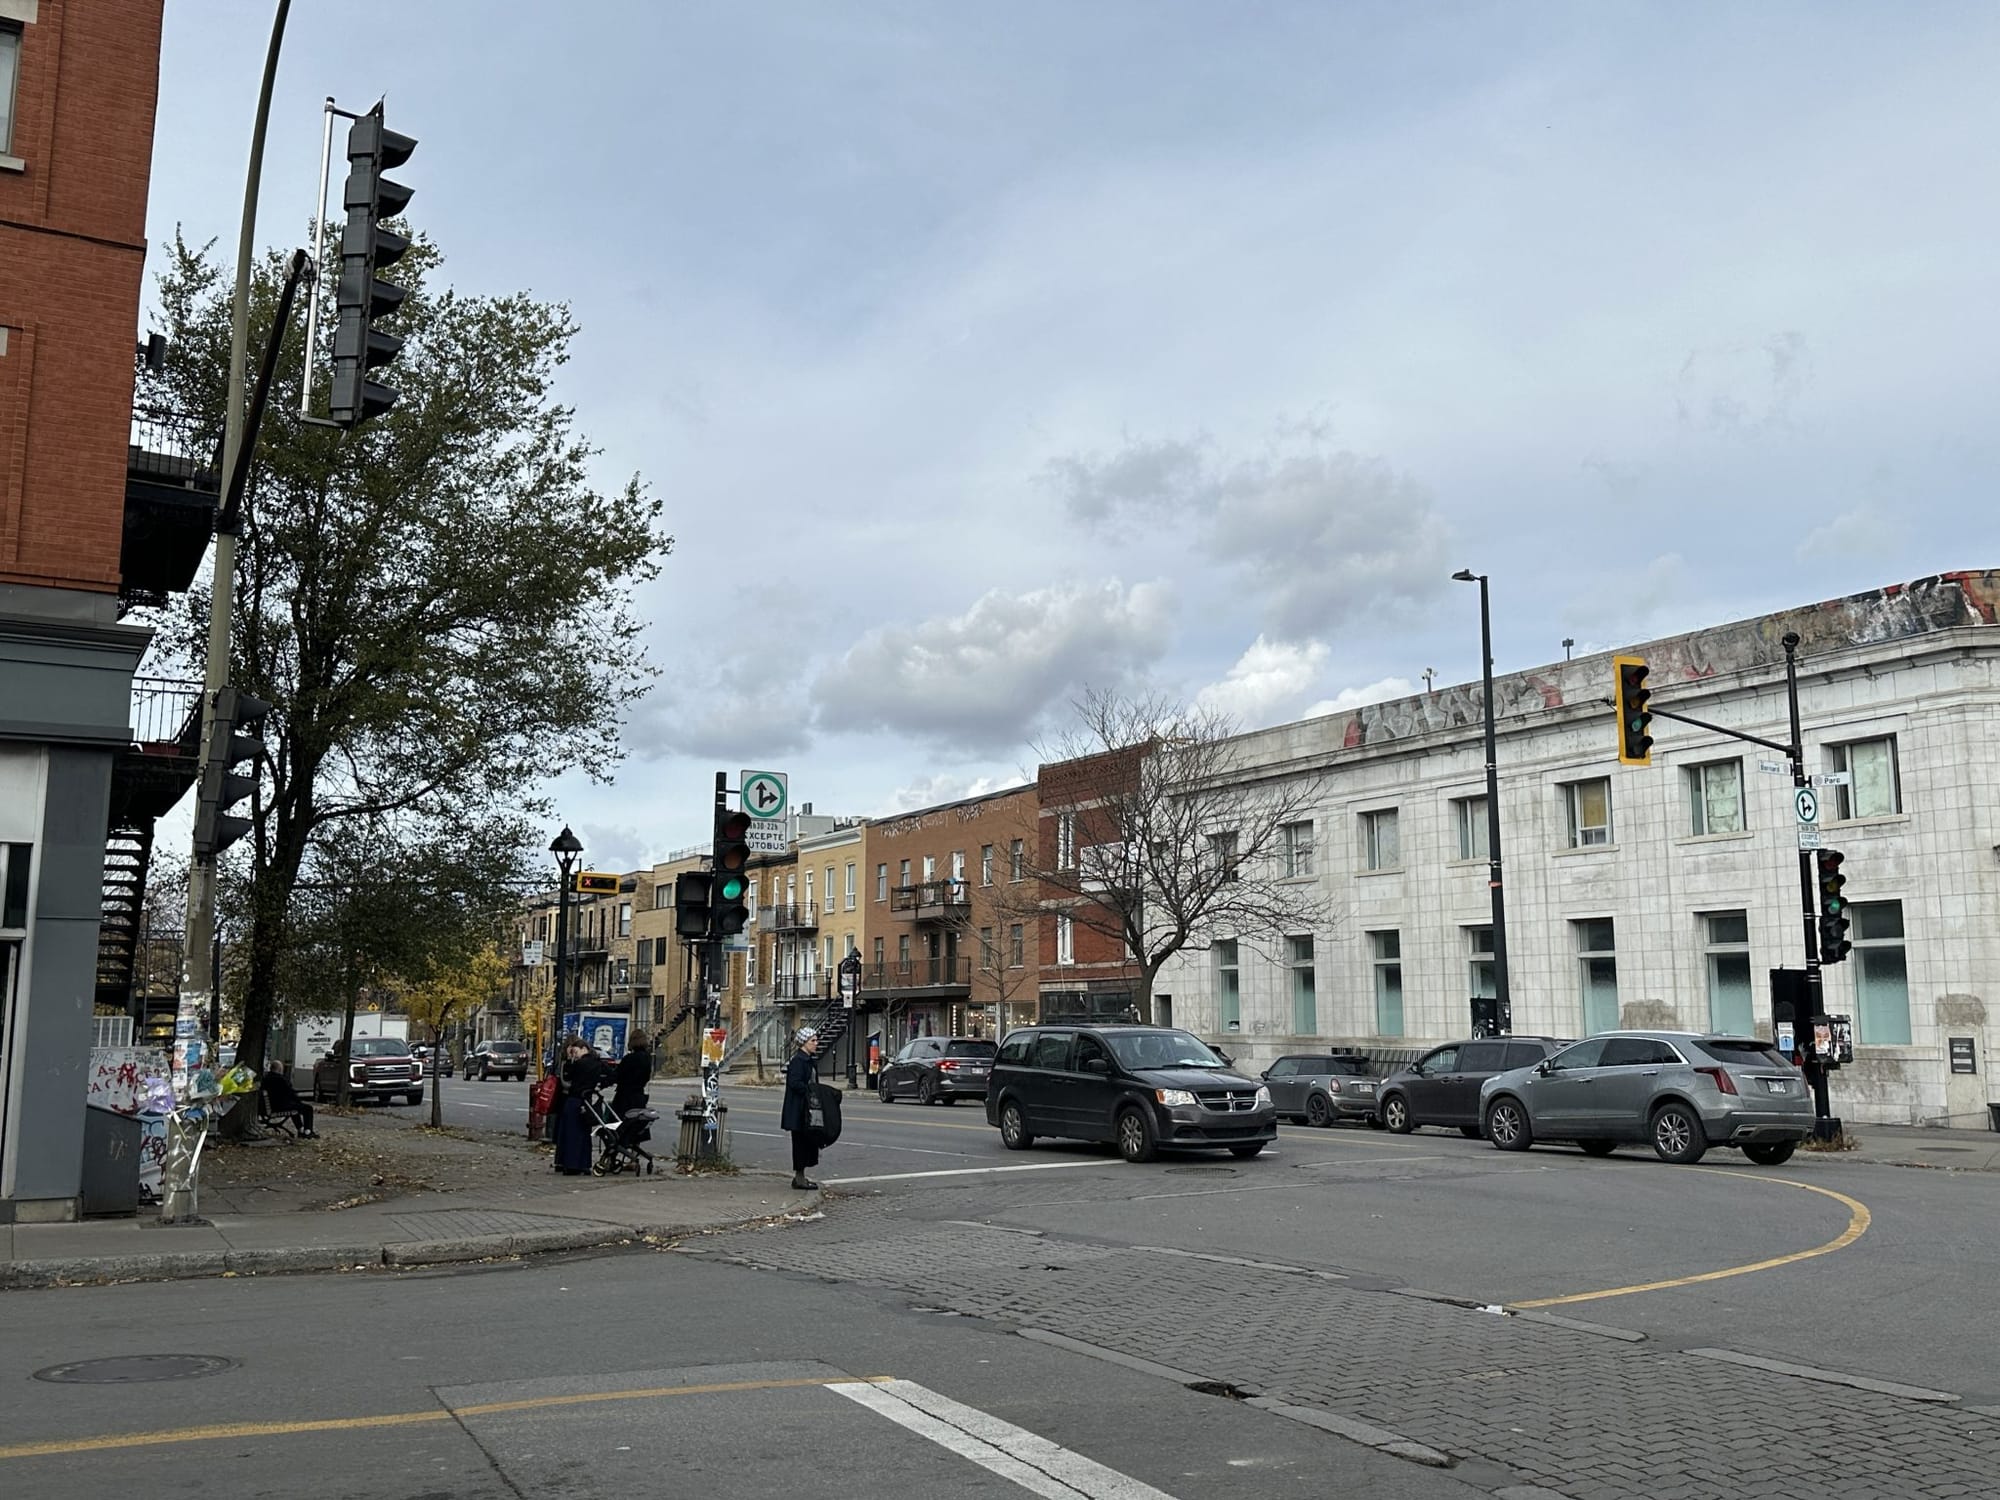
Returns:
<point x="566" y="846"/>
<point x="850" y="996"/>
<point x="1500" y="988"/>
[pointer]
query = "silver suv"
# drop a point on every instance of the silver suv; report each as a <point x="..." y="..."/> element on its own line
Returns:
<point x="1682" y="1091"/>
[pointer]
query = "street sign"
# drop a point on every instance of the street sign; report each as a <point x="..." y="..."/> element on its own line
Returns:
<point x="1806" y="802"/>
<point x="1809" y="836"/>
<point x="531" y="955"/>
<point x="1773" y="767"/>
<point x="1833" y="778"/>
<point x="764" y="794"/>
<point x="765" y="837"/>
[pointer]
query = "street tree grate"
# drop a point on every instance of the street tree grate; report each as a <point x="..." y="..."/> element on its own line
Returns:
<point x="136" y="1369"/>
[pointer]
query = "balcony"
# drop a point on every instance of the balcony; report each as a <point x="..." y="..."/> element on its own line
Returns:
<point x="796" y="987"/>
<point x="910" y="977"/>
<point x="789" y="918"/>
<point x="172" y="481"/>
<point x="933" y="900"/>
<point x="165" y="754"/>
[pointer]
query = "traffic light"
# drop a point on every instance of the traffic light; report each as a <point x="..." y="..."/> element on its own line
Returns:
<point x="691" y="897"/>
<point x="238" y="719"/>
<point x="596" y="883"/>
<point x="1635" y="720"/>
<point x="730" y="896"/>
<point x="365" y="247"/>
<point x="1833" y="943"/>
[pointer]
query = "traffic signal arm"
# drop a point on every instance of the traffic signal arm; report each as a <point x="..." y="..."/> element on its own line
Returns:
<point x="1734" y="734"/>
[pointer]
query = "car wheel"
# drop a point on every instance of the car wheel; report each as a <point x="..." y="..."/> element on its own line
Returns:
<point x="1247" y="1151"/>
<point x="1396" y="1114"/>
<point x="483" y="1073"/>
<point x="416" y="1098"/>
<point x="882" y="1091"/>
<point x="1014" y="1133"/>
<point x="1135" y="1136"/>
<point x="1677" y="1135"/>
<point x="1507" y="1125"/>
<point x="927" y="1092"/>
<point x="1317" y="1112"/>
<point x="1375" y="1121"/>
<point x="1597" y="1148"/>
<point x="1470" y="1132"/>
<point x="1770" y="1153"/>
<point x="950" y="1099"/>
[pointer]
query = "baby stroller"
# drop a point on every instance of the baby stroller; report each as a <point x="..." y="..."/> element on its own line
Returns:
<point x="619" y="1142"/>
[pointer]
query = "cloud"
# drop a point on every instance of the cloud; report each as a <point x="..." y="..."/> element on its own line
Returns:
<point x="1852" y="534"/>
<point x="614" y="847"/>
<point x="1356" y="697"/>
<point x="742" y="711"/>
<point x="934" y="791"/>
<point x="1625" y="605"/>
<point x="1739" y="392"/>
<point x="1265" y="681"/>
<point x="1324" y="536"/>
<point x="984" y="679"/>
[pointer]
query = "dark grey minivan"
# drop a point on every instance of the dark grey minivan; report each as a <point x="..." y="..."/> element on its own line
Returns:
<point x="1442" y="1086"/>
<point x="1144" y="1088"/>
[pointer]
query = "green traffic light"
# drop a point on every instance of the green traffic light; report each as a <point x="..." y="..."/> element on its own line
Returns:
<point x="731" y="888"/>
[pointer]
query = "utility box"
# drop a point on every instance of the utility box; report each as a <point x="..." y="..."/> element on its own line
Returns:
<point x="110" y="1161"/>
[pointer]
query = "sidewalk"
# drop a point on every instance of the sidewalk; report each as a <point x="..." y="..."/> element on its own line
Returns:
<point x="265" y="1211"/>
<point x="1916" y="1146"/>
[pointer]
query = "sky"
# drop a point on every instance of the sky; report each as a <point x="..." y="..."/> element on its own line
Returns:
<point x="984" y="354"/>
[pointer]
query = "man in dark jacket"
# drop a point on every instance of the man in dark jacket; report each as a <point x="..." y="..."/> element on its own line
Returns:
<point x="801" y="1084"/>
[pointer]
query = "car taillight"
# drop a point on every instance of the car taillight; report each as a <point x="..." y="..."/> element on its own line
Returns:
<point x="948" y="1065"/>
<point x="1723" y="1081"/>
<point x="1333" y="1085"/>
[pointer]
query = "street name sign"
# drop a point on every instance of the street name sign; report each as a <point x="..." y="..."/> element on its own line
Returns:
<point x="1833" y="778"/>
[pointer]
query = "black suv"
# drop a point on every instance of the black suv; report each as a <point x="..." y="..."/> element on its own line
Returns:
<point x="1141" y="1087"/>
<point x="1442" y="1086"/>
<point x="937" y="1067"/>
<point x="499" y="1056"/>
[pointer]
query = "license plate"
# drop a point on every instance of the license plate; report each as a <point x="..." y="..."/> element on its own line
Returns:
<point x="1364" y="1088"/>
<point x="1777" y="1086"/>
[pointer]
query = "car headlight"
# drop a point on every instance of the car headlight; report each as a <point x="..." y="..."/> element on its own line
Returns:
<point x="1173" y="1096"/>
<point x="1263" y="1095"/>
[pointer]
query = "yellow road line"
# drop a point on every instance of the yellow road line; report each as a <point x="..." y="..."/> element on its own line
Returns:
<point x="233" y="1430"/>
<point x="1858" y="1221"/>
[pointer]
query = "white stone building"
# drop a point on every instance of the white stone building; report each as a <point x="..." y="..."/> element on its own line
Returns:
<point x="1660" y="895"/>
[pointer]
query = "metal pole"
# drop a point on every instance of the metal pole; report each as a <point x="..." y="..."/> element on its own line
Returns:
<point x="1501" y="990"/>
<point x="179" y="1199"/>
<point x="319" y="258"/>
<point x="1812" y="1064"/>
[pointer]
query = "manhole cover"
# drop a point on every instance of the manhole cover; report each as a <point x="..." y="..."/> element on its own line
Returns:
<point x="132" y="1369"/>
<point x="1202" y="1171"/>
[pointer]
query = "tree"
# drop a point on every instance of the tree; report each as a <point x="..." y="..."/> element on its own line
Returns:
<point x="1156" y="838"/>
<point x="438" y="604"/>
<point x="454" y="987"/>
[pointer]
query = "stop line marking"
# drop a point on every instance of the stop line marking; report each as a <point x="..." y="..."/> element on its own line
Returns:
<point x="1014" y="1453"/>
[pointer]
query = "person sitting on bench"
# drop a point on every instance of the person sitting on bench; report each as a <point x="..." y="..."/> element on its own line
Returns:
<point x="283" y="1106"/>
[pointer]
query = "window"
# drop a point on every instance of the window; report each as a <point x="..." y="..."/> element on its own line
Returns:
<point x="1228" y="992"/>
<point x="1018" y="1048"/>
<point x="1015" y="857"/>
<point x="1715" y="797"/>
<point x="10" y="66"/>
<point x="1381" y="848"/>
<point x="625" y="919"/>
<point x="1468" y="816"/>
<point x="1388" y="951"/>
<point x="828" y="964"/>
<point x="986" y="953"/>
<point x="1052" y="1049"/>
<point x="659" y="952"/>
<point x="1872" y="790"/>
<point x="1065" y="940"/>
<point x="810" y="901"/>
<point x="1479" y="963"/>
<point x="1881" y="975"/>
<point x="849" y="887"/>
<point x="1482" y="1057"/>
<point x="663" y="896"/>
<point x="1298" y="850"/>
<point x="1222" y="850"/>
<point x="958" y="866"/>
<point x="930" y="868"/>
<point x="878" y="953"/>
<point x="1731" y="1004"/>
<point x="902" y="948"/>
<point x="1089" y="1049"/>
<point x="904" y="878"/>
<point x="1598" y="970"/>
<point x="792" y="890"/>
<point x="1305" y="1004"/>
<point x="829" y="888"/>
<point x="986" y="864"/>
<point x="1589" y="805"/>
<point x="1065" y="841"/>
<point x="1444" y="1060"/>
<point x="1588" y="1054"/>
<point x="1016" y="947"/>
<point x="1638" y="1052"/>
<point x="882" y="882"/>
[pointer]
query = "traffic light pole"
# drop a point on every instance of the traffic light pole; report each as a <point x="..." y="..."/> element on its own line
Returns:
<point x="1810" y="1062"/>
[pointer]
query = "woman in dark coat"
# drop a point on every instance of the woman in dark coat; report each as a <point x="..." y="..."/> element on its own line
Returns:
<point x="628" y="1084"/>
<point x="801" y="1079"/>
<point x="582" y="1071"/>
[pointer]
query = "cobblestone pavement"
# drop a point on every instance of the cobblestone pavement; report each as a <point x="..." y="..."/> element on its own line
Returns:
<point x="1586" y="1415"/>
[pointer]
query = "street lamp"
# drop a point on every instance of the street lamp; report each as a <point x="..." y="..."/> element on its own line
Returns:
<point x="850" y="995"/>
<point x="1500" y="988"/>
<point x="566" y="846"/>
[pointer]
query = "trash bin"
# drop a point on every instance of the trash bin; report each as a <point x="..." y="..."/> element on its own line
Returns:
<point x="110" y="1161"/>
<point x="693" y="1144"/>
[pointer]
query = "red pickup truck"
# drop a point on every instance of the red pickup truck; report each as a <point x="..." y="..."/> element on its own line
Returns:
<point x="380" y="1068"/>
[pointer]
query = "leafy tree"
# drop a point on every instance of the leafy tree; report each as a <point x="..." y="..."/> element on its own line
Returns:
<point x="451" y="989"/>
<point x="438" y="604"/>
<point x="1169" y="844"/>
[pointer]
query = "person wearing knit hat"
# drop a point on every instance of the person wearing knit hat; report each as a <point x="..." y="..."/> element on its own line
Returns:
<point x="801" y="1084"/>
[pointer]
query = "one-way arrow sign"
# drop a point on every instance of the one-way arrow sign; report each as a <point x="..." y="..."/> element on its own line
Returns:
<point x="765" y="794"/>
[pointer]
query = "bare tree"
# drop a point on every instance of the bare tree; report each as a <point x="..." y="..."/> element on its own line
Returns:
<point x="1159" y="837"/>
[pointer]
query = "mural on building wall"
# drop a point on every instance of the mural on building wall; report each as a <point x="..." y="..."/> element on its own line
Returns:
<point x="1947" y="601"/>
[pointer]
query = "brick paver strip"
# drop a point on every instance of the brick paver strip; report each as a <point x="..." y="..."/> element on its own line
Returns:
<point x="1570" y="1410"/>
<point x="469" y="1223"/>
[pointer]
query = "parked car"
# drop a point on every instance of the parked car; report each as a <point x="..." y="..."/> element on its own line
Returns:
<point x="1317" y="1088"/>
<point x="937" y="1067"/>
<point x="1442" y="1086"/>
<point x="1681" y="1091"/>
<point x="1144" y="1088"/>
<point x="497" y="1057"/>
<point x="436" y="1060"/>
<point x="380" y="1068"/>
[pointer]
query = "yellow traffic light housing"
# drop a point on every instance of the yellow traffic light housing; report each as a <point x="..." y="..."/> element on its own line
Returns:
<point x="1635" y="720"/>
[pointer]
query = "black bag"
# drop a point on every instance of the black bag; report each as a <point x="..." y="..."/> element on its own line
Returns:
<point x="825" y="1125"/>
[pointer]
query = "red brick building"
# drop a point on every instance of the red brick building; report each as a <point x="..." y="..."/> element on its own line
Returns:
<point x="1085" y="971"/>
<point x="91" y="523"/>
